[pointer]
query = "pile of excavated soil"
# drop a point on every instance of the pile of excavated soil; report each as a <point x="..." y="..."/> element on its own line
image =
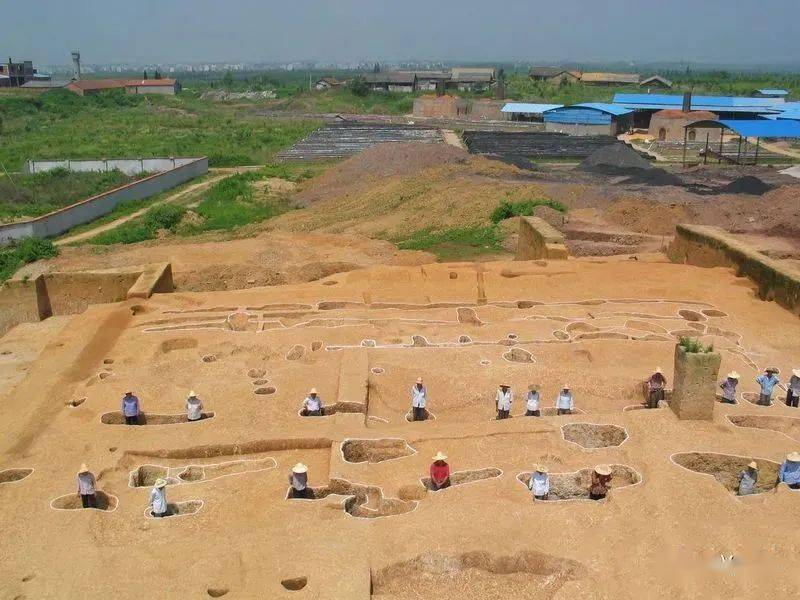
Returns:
<point x="749" y="184"/>
<point x="615" y="156"/>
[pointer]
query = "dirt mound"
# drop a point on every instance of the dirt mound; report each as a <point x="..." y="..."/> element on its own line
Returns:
<point x="749" y="184"/>
<point x="376" y="163"/>
<point x="613" y="158"/>
<point x="550" y="215"/>
<point x="647" y="216"/>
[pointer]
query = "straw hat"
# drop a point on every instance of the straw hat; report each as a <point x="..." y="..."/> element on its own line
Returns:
<point x="753" y="465"/>
<point x="83" y="469"/>
<point x="299" y="468"/>
<point x="533" y="387"/>
<point x="796" y="372"/>
<point x="793" y="457"/>
<point x="775" y="370"/>
<point x="602" y="470"/>
<point x="658" y="370"/>
<point x="505" y="385"/>
<point x="161" y="483"/>
<point x="192" y="394"/>
<point x="128" y="393"/>
<point x="440" y="456"/>
<point x="419" y="379"/>
<point x="566" y="387"/>
<point x="733" y="375"/>
<point x="542" y="469"/>
<point x="313" y="391"/>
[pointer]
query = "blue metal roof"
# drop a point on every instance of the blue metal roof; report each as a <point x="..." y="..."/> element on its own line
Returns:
<point x="763" y="128"/>
<point x="730" y="109"/>
<point x="788" y="114"/>
<point x="611" y="109"/>
<point x="528" y="108"/>
<point x="774" y="92"/>
<point x="714" y="103"/>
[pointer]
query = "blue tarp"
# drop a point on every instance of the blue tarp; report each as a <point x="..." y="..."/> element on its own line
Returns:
<point x="528" y="108"/>
<point x="763" y="128"/>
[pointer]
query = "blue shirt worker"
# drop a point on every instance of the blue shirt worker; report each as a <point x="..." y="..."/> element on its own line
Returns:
<point x="130" y="408"/>
<point x="790" y="471"/>
<point x="767" y="381"/>
<point x="748" y="479"/>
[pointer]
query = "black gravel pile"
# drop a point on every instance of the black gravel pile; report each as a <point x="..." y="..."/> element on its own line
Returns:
<point x="748" y="184"/>
<point x="620" y="160"/>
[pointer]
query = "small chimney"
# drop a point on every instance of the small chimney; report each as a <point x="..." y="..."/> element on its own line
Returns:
<point x="687" y="101"/>
<point x="76" y="65"/>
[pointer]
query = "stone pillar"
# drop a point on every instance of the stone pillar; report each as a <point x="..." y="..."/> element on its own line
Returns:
<point x="695" y="387"/>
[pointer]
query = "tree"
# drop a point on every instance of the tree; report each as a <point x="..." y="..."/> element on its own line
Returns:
<point x="145" y="74"/>
<point x="157" y="75"/>
<point x="376" y="68"/>
<point x="359" y="87"/>
<point x="228" y="79"/>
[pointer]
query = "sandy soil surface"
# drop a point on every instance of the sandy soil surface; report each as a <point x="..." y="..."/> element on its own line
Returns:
<point x="362" y="337"/>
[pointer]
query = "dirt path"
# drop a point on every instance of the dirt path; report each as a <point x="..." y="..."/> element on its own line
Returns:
<point x="452" y="138"/>
<point x="117" y="222"/>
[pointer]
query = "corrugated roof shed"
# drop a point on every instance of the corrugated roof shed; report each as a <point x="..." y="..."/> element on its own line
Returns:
<point x="612" y="109"/>
<point x="622" y="78"/>
<point x="757" y="128"/>
<point x="676" y="101"/>
<point x="547" y="71"/>
<point x="769" y="92"/>
<point x="657" y="79"/>
<point x="390" y="77"/>
<point x="528" y="108"/>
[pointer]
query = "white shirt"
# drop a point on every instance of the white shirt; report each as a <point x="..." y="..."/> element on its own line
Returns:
<point x="564" y="400"/>
<point x="533" y="401"/>
<point x="158" y="500"/>
<point x="312" y="403"/>
<point x="539" y="484"/>
<point x="86" y="484"/>
<point x="194" y="408"/>
<point x="419" y="397"/>
<point x="504" y="400"/>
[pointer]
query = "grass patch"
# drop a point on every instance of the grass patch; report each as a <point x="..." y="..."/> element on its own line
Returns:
<point x="20" y="253"/>
<point x="145" y="227"/>
<point x="455" y="244"/>
<point x="524" y="208"/>
<point x="695" y="346"/>
<point x="35" y="195"/>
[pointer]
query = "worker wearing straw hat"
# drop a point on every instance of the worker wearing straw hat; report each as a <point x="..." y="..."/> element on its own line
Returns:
<point x="539" y="485"/>
<point x="729" y="387"/>
<point x="532" y="402"/>
<point x="86" y="487"/>
<point x="793" y="389"/>
<point x="298" y="480"/>
<point x="748" y="479"/>
<point x="790" y="471"/>
<point x="564" y="401"/>
<point x="130" y="408"/>
<point x="312" y="405"/>
<point x="419" y="400"/>
<point x="601" y="482"/>
<point x="158" y="498"/>
<point x="656" y="388"/>
<point x="440" y="472"/>
<point x="767" y="381"/>
<point x="194" y="407"/>
<point x="503" y="400"/>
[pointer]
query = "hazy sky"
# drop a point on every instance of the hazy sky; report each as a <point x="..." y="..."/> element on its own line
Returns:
<point x="729" y="31"/>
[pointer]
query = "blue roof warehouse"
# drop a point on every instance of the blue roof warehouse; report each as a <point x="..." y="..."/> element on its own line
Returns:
<point x="591" y="118"/>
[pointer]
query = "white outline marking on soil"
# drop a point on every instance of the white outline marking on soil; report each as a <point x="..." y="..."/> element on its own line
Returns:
<point x="349" y="462"/>
<point x="764" y="429"/>
<point x="348" y="496"/>
<point x="451" y="486"/>
<point x="622" y="487"/>
<point x="625" y="429"/>
<point x="207" y="417"/>
<point x="100" y="510"/>
<point x="33" y="469"/>
<point x="149" y="515"/>
<point x="183" y="468"/>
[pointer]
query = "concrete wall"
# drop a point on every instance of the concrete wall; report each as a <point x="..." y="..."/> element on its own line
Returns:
<point x="62" y="220"/>
<point x="441" y="106"/>
<point x="129" y="166"/>
<point x="538" y="239"/>
<point x="705" y="246"/>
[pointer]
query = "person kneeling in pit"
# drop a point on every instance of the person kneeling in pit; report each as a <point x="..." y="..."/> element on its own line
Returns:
<point x="656" y="388"/>
<point x="532" y="402"/>
<point x="312" y="405"/>
<point x="539" y="485"/>
<point x="565" y="401"/>
<point x="194" y="407"/>
<point x="748" y="479"/>
<point x="729" y="387"/>
<point x="86" y="487"/>
<point x="298" y="480"/>
<point x="503" y="401"/>
<point x="440" y="472"/>
<point x="158" y="498"/>
<point x="601" y="482"/>
<point x="419" y="399"/>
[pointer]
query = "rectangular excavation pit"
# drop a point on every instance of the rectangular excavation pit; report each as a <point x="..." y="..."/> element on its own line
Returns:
<point x="464" y="477"/>
<point x="575" y="485"/>
<point x="725" y="469"/>
<point x="117" y="418"/>
<point x="375" y="451"/>
<point x="105" y="502"/>
<point x="146" y="475"/>
<point x="594" y="435"/>
<point x="14" y="475"/>
<point x="788" y="426"/>
<point x="361" y="501"/>
<point x="178" y="509"/>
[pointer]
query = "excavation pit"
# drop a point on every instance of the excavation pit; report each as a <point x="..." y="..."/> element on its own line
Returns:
<point x="117" y="418"/>
<point x="209" y="358"/>
<point x="146" y="476"/>
<point x="429" y="416"/>
<point x="592" y="436"/>
<point x="575" y="485"/>
<point x="217" y="592"/>
<point x="712" y="312"/>
<point x="375" y="451"/>
<point x="178" y="344"/>
<point x="294" y="584"/>
<point x="260" y="381"/>
<point x="788" y="426"/>
<point x="552" y="411"/>
<point x="12" y="475"/>
<point x="464" y="477"/>
<point x="377" y="370"/>
<point x="725" y="468"/>
<point x="518" y="355"/>
<point x="256" y="373"/>
<point x="361" y="501"/>
<point x="265" y="391"/>
<point x="105" y="502"/>
<point x="339" y="408"/>
<point x="691" y="315"/>
<point x="179" y="509"/>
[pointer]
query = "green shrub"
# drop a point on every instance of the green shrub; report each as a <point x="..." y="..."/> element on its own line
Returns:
<point x="455" y="244"/>
<point x="695" y="346"/>
<point x="524" y="208"/>
<point x="19" y="253"/>
<point x="230" y="204"/>
<point x="146" y="227"/>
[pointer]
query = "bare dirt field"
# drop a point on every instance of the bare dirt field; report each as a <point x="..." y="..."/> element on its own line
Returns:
<point x="373" y="529"/>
